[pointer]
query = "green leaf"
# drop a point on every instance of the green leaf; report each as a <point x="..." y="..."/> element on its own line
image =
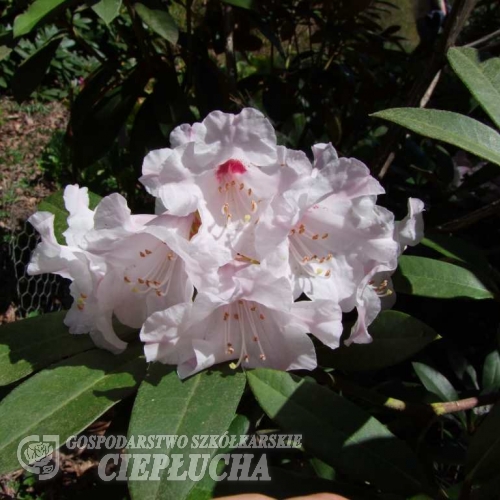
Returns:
<point x="31" y="344"/>
<point x="337" y="431"/>
<point x="435" y="382"/>
<point x="457" y="249"/>
<point x="107" y="10"/>
<point x="467" y="65"/>
<point x="433" y="278"/>
<point x="4" y="52"/>
<point x="203" y="404"/>
<point x="160" y="21"/>
<point x="396" y="336"/>
<point x="491" y="372"/>
<point x="483" y="454"/>
<point x="244" y="4"/>
<point x="101" y="123"/>
<point x="67" y="397"/>
<point x="55" y="205"/>
<point x="30" y="73"/>
<point x="453" y="128"/>
<point x="38" y="12"/>
<point x="205" y="488"/>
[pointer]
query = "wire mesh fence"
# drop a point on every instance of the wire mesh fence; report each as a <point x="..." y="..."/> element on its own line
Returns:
<point x="34" y="294"/>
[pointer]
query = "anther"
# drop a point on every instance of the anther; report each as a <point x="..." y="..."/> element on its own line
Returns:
<point x="226" y="316"/>
<point x="253" y="308"/>
<point x="325" y="236"/>
<point x="126" y="279"/>
<point x="249" y="191"/>
<point x="261" y="316"/>
<point x="148" y="252"/>
<point x="83" y="296"/>
<point x="141" y="281"/>
<point x="236" y="316"/>
<point x="142" y="254"/>
<point x="315" y="237"/>
<point x="242" y="186"/>
<point x="254" y="206"/>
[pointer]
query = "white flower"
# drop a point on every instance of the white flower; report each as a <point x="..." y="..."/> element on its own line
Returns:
<point x="227" y="168"/>
<point x="120" y="264"/>
<point x="254" y="321"/>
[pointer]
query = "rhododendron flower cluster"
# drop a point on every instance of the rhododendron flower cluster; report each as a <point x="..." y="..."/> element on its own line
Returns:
<point x="253" y="248"/>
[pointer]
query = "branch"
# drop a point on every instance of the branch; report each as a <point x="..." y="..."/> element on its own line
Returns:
<point x="454" y="24"/>
<point x="419" y="409"/>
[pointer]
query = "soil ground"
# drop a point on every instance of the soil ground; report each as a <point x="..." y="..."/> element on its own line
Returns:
<point x="25" y="130"/>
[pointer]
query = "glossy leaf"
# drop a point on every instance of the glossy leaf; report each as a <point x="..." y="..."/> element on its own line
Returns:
<point x="30" y="73"/>
<point x="337" y="431"/>
<point x="491" y="372"/>
<point x="55" y="205"/>
<point x="435" y="382"/>
<point x="160" y="21"/>
<point x="67" y="397"/>
<point x="38" y="12"/>
<point x="466" y="63"/>
<point x="396" y="336"/>
<point x="204" y="404"/>
<point x="433" y="278"/>
<point x="31" y="344"/>
<point x="453" y="128"/>
<point x="483" y="454"/>
<point x="107" y="10"/>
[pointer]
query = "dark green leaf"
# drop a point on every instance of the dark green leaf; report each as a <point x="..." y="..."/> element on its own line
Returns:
<point x="101" y="124"/>
<point x="337" y="431"/>
<point x="55" y="205"/>
<point x="38" y="12"/>
<point x="435" y="382"/>
<point x="433" y="278"/>
<point x="467" y="65"/>
<point x="65" y="398"/>
<point x="491" y="372"/>
<point x="453" y="128"/>
<point x="244" y="4"/>
<point x="396" y="336"/>
<point x="107" y="10"/>
<point x="203" y="404"/>
<point x="30" y="73"/>
<point x="483" y="454"/>
<point x="160" y="21"/>
<point x="33" y="343"/>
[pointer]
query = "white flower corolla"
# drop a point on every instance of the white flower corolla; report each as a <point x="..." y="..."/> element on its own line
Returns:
<point x="253" y="322"/>
<point x="227" y="168"/>
<point x="375" y="292"/>
<point x="120" y="264"/>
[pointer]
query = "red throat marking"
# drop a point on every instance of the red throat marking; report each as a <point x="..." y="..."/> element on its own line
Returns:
<point x="230" y="167"/>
